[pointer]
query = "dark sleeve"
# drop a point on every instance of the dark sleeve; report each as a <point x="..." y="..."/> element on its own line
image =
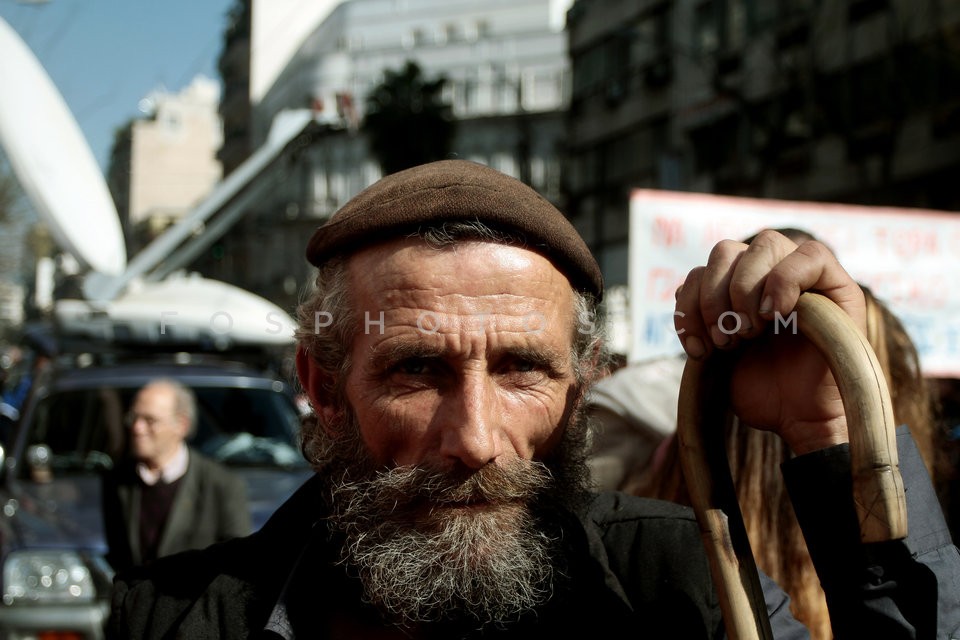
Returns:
<point x="151" y="602"/>
<point x="119" y="554"/>
<point x="233" y="507"/>
<point x="906" y="588"/>
<point x="782" y="623"/>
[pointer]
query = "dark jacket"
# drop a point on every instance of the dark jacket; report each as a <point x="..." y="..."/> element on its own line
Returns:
<point x="210" y="506"/>
<point x="636" y="567"/>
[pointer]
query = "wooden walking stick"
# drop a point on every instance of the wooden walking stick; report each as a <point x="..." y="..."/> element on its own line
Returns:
<point x="877" y="485"/>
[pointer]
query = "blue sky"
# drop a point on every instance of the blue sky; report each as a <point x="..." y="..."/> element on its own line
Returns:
<point x="105" y="55"/>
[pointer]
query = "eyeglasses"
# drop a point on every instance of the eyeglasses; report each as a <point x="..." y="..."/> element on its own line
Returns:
<point x="152" y="421"/>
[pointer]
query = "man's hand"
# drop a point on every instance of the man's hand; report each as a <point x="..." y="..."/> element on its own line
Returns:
<point x="781" y="383"/>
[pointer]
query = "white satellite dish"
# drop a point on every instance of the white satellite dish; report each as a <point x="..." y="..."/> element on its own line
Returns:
<point x="53" y="161"/>
<point x="60" y="175"/>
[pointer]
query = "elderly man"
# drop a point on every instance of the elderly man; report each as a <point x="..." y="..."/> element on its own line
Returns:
<point x="166" y="498"/>
<point x="447" y="351"/>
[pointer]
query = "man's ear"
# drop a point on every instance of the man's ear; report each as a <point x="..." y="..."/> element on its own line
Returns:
<point x="317" y="385"/>
<point x="184" y="426"/>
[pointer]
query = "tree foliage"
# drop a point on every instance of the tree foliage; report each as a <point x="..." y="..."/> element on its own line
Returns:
<point x="9" y="195"/>
<point x="407" y="122"/>
<point x="13" y="222"/>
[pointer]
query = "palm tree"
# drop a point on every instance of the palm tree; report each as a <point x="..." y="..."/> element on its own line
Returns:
<point x="407" y="123"/>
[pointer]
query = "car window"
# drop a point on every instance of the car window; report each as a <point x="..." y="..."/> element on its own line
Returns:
<point x="238" y="426"/>
<point x="83" y="429"/>
<point x="247" y="427"/>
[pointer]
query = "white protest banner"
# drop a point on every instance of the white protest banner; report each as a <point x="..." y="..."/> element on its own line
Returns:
<point x="910" y="258"/>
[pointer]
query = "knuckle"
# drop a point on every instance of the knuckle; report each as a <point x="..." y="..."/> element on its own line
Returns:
<point x="689" y="290"/>
<point x="724" y="250"/>
<point x="816" y="249"/>
<point x="777" y="279"/>
<point x="768" y="237"/>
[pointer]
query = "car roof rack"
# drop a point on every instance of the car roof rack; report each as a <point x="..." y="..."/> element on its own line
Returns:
<point x="118" y="346"/>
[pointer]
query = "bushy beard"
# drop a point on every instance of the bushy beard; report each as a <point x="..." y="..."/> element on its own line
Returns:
<point x="466" y="545"/>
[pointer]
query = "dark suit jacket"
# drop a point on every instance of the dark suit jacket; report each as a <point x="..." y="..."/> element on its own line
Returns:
<point x="210" y="506"/>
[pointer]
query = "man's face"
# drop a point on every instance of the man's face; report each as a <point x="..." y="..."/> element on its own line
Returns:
<point x="458" y="426"/>
<point x="156" y="430"/>
<point x="471" y="364"/>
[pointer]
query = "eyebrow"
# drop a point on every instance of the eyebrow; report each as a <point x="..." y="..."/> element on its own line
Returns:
<point x="402" y="350"/>
<point x="548" y="359"/>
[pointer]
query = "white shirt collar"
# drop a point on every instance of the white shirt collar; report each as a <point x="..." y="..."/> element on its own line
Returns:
<point x="174" y="470"/>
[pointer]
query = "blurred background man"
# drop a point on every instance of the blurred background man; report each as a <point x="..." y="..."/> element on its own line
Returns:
<point x="165" y="497"/>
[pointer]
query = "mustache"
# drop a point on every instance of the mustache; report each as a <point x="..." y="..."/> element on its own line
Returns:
<point x="403" y="488"/>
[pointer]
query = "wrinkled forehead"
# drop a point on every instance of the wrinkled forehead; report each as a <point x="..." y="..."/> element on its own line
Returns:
<point x="459" y="285"/>
<point x="491" y="264"/>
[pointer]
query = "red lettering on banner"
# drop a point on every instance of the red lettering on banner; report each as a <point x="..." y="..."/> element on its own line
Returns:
<point x="907" y="243"/>
<point x="929" y="292"/>
<point x="667" y="231"/>
<point x="915" y="242"/>
<point x="662" y="282"/>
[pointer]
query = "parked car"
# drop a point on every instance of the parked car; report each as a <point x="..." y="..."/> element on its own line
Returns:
<point x="52" y="545"/>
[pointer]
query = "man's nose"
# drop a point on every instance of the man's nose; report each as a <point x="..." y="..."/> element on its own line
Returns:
<point x="471" y="430"/>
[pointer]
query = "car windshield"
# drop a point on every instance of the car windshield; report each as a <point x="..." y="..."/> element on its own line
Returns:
<point x="239" y="426"/>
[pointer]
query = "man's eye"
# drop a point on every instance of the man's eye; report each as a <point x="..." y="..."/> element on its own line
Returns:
<point x="526" y="370"/>
<point x="414" y="367"/>
<point x="524" y="366"/>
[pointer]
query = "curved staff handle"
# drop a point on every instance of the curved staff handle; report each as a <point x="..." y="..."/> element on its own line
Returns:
<point x="877" y="485"/>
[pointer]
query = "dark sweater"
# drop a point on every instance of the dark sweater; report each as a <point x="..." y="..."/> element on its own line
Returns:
<point x="155" y="502"/>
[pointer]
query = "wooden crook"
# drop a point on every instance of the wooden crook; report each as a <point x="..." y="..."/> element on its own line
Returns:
<point x="877" y="485"/>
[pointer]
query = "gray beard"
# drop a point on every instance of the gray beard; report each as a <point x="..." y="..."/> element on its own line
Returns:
<point x="432" y="545"/>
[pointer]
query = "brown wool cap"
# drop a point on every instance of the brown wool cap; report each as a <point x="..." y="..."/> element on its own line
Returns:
<point x="457" y="190"/>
